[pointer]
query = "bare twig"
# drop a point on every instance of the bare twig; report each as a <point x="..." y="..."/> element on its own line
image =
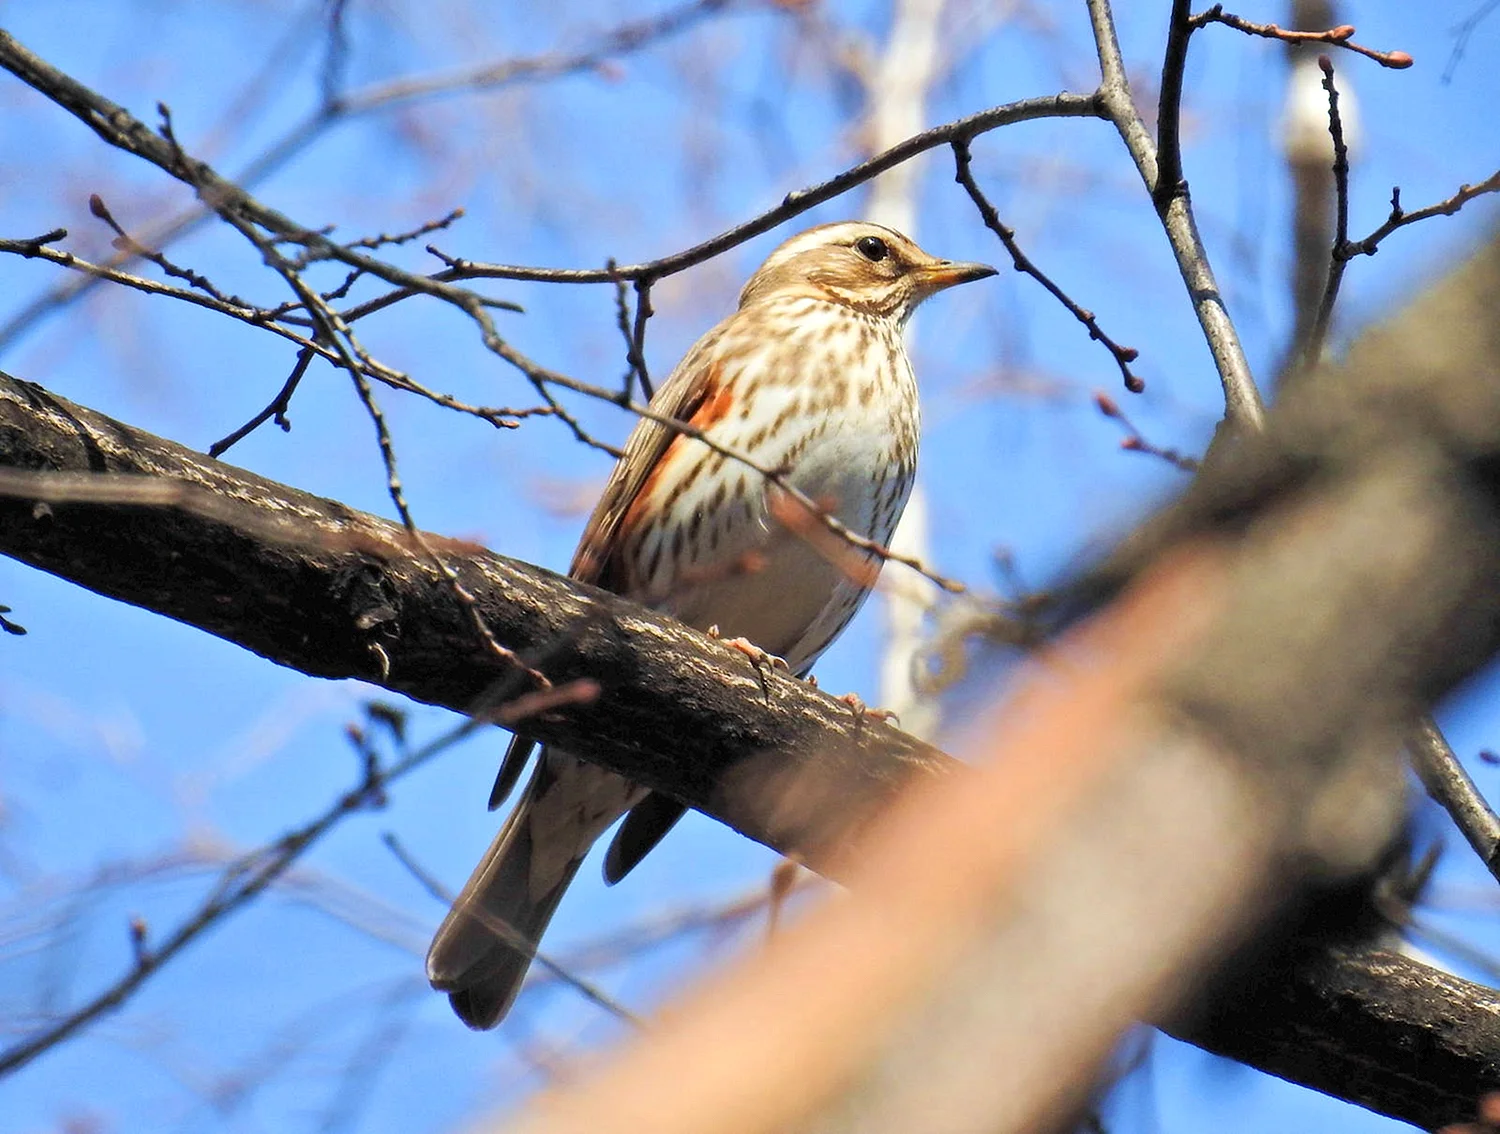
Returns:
<point x="1135" y="442"/>
<point x="427" y="228"/>
<point x="1123" y="355"/>
<point x="633" y="331"/>
<point x="1400" y="218"/>
<point x="338" y="106"/>
<point x="1169" y="178"/>
<point x="643" y="311"/>
<point x="1344" y="249"/>
<point x="1341" y="36"/>
<point x="241" y="881"/>
<point x="555" y="969"/>
<point x="1451" y="787"/>
<point x="1463" y="33"/>
<point x="799" y="201"/>
<point x="1318" y="334"/>
<point x="121" y="129"/>
<point x="622" y="324"/>
<point x="274" y="411"/>
<point x="1243" y="407"/>
<point x="268" y="319"/>
<point x="38" y="247"/>
<point x="126" y="243"/>
<point x="351" y="356"/>
<point x="627" y="38"/>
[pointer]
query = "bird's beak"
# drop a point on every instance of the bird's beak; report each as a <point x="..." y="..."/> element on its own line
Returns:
<point x="941" y="274"/>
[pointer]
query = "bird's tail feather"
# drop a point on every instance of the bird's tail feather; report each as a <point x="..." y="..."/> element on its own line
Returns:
<point x="482" y="950"/>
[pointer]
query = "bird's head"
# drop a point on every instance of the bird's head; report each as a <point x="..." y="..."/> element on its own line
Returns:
<point x="868" y="267"/>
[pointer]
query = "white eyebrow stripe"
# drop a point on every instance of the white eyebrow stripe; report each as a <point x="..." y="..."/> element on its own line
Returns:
<point x="839" y="232"/>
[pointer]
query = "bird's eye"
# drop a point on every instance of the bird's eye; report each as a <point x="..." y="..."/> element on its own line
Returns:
<point x="872" y="248"/>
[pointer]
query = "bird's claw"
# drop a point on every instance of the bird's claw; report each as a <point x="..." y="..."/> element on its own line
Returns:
<point x="861" y="711"/>
<point x="763" y="661"/>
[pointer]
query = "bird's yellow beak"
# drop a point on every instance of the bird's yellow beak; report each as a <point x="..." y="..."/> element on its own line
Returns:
<point x="941" y="274"/>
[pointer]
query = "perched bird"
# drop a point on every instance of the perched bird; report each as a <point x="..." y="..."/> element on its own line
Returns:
<point x="809" y="377"/>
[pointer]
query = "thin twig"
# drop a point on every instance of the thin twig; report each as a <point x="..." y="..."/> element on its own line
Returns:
<point x="1400" y="218"/>
<point x="352" y="358"/>
<point x="622" y="324"/>
<point x="244" y="879"/>
<point x="427" y="228"/>
<point x="266" y="319"/>
<point x="124" y="242"/>
<point x="1317" y="335"/>
<point x="1169" y="178"/>
<point x="1441" y="773"/>
<point x="540" y="378"/>
<point x="507" y="933"/>
<point x="275" y="410"/>
<point x="627" y="38"/>
<point x="633" y="331"/>
<point x="1463" y="33"/>
<point x="1123" y="355"/>
<point x="795" y="203"/>
<point x="338" y="106"/>
<point x="37" y="247"/>
<point x="1341" y="36"/>
<point x="1243" y="406"/>
<point x="1135" y="442"/>
<point x="335" y="54"/>
<point x="643" y="311"/>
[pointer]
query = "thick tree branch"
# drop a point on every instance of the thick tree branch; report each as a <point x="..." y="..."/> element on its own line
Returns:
<point x="1400" y="1037"/>
<point x="337" y="593"/>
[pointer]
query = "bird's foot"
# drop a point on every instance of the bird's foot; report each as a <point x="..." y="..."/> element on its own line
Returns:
<point x="862" y="711"/>
<point x="763" y="661"/>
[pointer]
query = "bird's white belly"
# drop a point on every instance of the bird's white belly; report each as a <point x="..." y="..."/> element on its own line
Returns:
<point x="790" y="587"/>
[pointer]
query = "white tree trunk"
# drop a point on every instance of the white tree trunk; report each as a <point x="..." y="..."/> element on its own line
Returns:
<point x="897" y="100"/>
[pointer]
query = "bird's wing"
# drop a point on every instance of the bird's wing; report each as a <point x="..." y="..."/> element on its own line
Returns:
<point x="685" y="393"/>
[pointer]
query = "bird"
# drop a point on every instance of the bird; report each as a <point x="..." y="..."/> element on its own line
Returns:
<point x="807" y="379"/>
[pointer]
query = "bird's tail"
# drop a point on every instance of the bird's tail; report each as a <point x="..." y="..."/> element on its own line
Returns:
<point x="482" y="950"/>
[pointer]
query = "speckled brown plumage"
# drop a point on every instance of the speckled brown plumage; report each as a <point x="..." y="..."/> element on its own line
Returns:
<point x="808" y="377"/>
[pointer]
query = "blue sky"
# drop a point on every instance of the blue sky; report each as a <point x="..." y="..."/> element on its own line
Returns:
<point x="126" y="739"/>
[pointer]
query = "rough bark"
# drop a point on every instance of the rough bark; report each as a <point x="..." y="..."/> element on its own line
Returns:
<point x="1368" y="1026"/>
